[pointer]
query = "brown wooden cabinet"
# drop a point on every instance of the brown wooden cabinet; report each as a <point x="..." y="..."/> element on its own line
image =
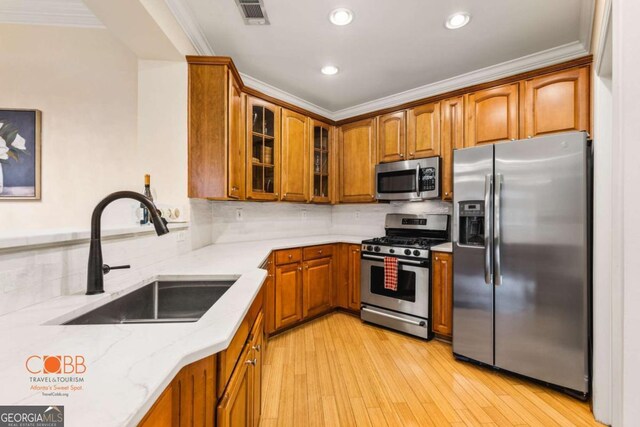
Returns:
<point x="392" y="143"/>
<point x="348" y="277"/>
<point x="452" y="138"/>
<point x="322" y="167"/>
<point x="357" y="162"/>
<point x="189" y="400"/>
<point x="216" y="132"/>
<point x="162" y="413"/>
<point x="295" y="157"/>
<point x="240" y="406"/>
<point x="288" y="294"/>
<point x="317" y="289"/>
<point x="557" y="102"/>
<point x="263" y="150"/>
<point x="491" y="115"/>
<point x="423" y="131"/>
<point x="230" y="380"/>
<point x="442" y="293"/>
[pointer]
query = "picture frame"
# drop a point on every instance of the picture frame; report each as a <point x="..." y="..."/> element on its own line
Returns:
<point x="20" y="154"/>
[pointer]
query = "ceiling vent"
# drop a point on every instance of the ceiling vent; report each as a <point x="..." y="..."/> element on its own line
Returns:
<point x="253" y="12"/>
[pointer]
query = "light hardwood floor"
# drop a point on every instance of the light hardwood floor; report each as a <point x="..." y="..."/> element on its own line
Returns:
<point x="337" y="371"/>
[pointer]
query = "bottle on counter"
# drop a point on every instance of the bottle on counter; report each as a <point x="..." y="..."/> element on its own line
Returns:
<point x="147" y="192"/>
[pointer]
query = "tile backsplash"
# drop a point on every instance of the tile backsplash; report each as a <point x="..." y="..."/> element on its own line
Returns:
<point x="31" y="275"/>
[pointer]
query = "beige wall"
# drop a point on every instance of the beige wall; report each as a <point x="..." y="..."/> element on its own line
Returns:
<point x="107" y="119"/>
<point x="162" y="128"/>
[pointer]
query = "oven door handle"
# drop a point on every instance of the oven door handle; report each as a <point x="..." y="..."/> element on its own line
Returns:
<point x="421" y="323"/>
<point x="400" y="261"/>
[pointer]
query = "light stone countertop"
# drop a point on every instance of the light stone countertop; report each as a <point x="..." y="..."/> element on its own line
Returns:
<point x="444" y="247"/>
<point x="128" y="366"/>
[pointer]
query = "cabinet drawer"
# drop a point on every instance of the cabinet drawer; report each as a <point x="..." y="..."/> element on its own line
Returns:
<point x="288" y="256"/>
<point x="314" y="252"/>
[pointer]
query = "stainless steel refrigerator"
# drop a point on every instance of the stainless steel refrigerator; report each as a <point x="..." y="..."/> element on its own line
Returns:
<point x="522" y="267"/>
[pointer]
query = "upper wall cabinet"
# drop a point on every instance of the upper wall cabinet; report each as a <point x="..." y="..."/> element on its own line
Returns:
<point x="452" y="139"/>
<point x="557" y="102"/>
<point x="295" y="157"/>
<point x="423" y="131"/>
<point x="392" y="144"/>
<point x="357" y="162"/>
<point x="322" y="162"/>
<point x="216" y="117"/>
<point x="263" y="150"/>
<point x="492" y="115"/>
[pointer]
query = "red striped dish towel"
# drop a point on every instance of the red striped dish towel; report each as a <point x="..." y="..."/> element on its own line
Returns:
<point x="391" y="273"/>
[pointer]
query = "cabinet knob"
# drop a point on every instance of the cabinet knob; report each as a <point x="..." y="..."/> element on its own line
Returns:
<point x="285" y="194"/>
<point x="290" y="256"/>
<point x="436" y="258"/>
<point x="529" y="136"/>
<point x="257" y="348"/>
<point x="277" y="194"/>
<point x="320" y="251"/>
<point x="234" y="188"/>
<point x="401" y="155"/>
<point x="251" y="362"/>
<point x="411" y="154"/>
<point x="306" y="266"/>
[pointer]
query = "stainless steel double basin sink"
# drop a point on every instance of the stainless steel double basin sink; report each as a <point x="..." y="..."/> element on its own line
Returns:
<point x="178" y="301"/>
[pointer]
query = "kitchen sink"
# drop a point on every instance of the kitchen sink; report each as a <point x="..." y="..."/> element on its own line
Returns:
<point x="159" y="302"/>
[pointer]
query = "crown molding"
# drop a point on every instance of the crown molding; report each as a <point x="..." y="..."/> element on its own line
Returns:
<point x="542" y="59"/>
<point x="184" y="15"/>
<point x="274" y="92"/>
<point x="531" y="62"/>
<point x="587" y="15"/>
<point x="69" y="13"/>
<point x="603" y="39"/>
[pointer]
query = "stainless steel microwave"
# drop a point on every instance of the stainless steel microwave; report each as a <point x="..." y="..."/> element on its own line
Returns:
<point x="410" y="180"/>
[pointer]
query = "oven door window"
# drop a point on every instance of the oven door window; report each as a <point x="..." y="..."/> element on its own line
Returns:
<point x="403" y="181"/>
<point x="406" y="284"/>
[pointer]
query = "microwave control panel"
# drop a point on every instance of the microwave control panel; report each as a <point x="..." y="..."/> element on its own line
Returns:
<point x="427" y="179"/>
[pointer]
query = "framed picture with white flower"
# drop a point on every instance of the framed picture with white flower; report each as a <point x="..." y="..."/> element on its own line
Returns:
<point x="19" y="154"/>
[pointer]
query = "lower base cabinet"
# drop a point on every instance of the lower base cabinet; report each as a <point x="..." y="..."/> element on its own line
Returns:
<point x="303" y="283"/>
<point x="230" y="381"/>
<point x="442" y="294"/>
<point x="241" y="403"/>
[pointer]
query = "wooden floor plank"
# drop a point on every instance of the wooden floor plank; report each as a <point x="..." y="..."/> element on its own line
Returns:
<point x="337" y="371"/>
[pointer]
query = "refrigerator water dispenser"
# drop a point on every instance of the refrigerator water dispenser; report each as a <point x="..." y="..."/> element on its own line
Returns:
<point x="471" y="223"/>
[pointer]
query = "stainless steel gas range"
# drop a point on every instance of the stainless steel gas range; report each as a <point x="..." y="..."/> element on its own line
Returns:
<point x="408" y="238"/>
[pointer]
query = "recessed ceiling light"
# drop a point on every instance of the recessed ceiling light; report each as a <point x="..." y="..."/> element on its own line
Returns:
<point x="329" y="70"/>
<point x="457" y="20"/>
<point x="341" y="16"/>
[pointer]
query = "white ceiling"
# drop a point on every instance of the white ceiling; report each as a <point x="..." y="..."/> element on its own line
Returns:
<point x="390" y="47"/>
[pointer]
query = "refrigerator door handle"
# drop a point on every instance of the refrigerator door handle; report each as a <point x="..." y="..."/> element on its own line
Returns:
<point x="497" y="238"/>
<point x="418" y="179"/>
<point x="488" y="267"/>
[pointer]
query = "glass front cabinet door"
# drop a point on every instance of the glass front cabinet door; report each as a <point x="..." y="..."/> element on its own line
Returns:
<point x="321" y="158"/>
<point x="263" y="150"/>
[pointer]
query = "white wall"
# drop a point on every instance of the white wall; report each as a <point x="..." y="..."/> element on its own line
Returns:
<point x="85" y="83"/>
<point x="626" y="204"/>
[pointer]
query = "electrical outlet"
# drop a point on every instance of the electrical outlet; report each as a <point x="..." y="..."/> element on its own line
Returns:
<point x="182" y="236"/>
<point x="357" y="215"/>
<point x="239" y="215"/>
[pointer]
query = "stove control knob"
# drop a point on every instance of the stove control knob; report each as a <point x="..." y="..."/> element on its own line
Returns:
<point x="407" y="251"/>
<point x="391" y="251"/>
<point x="377" y="249"/>
<point x="369" y="248"/>
<point x="416" y="252"/>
